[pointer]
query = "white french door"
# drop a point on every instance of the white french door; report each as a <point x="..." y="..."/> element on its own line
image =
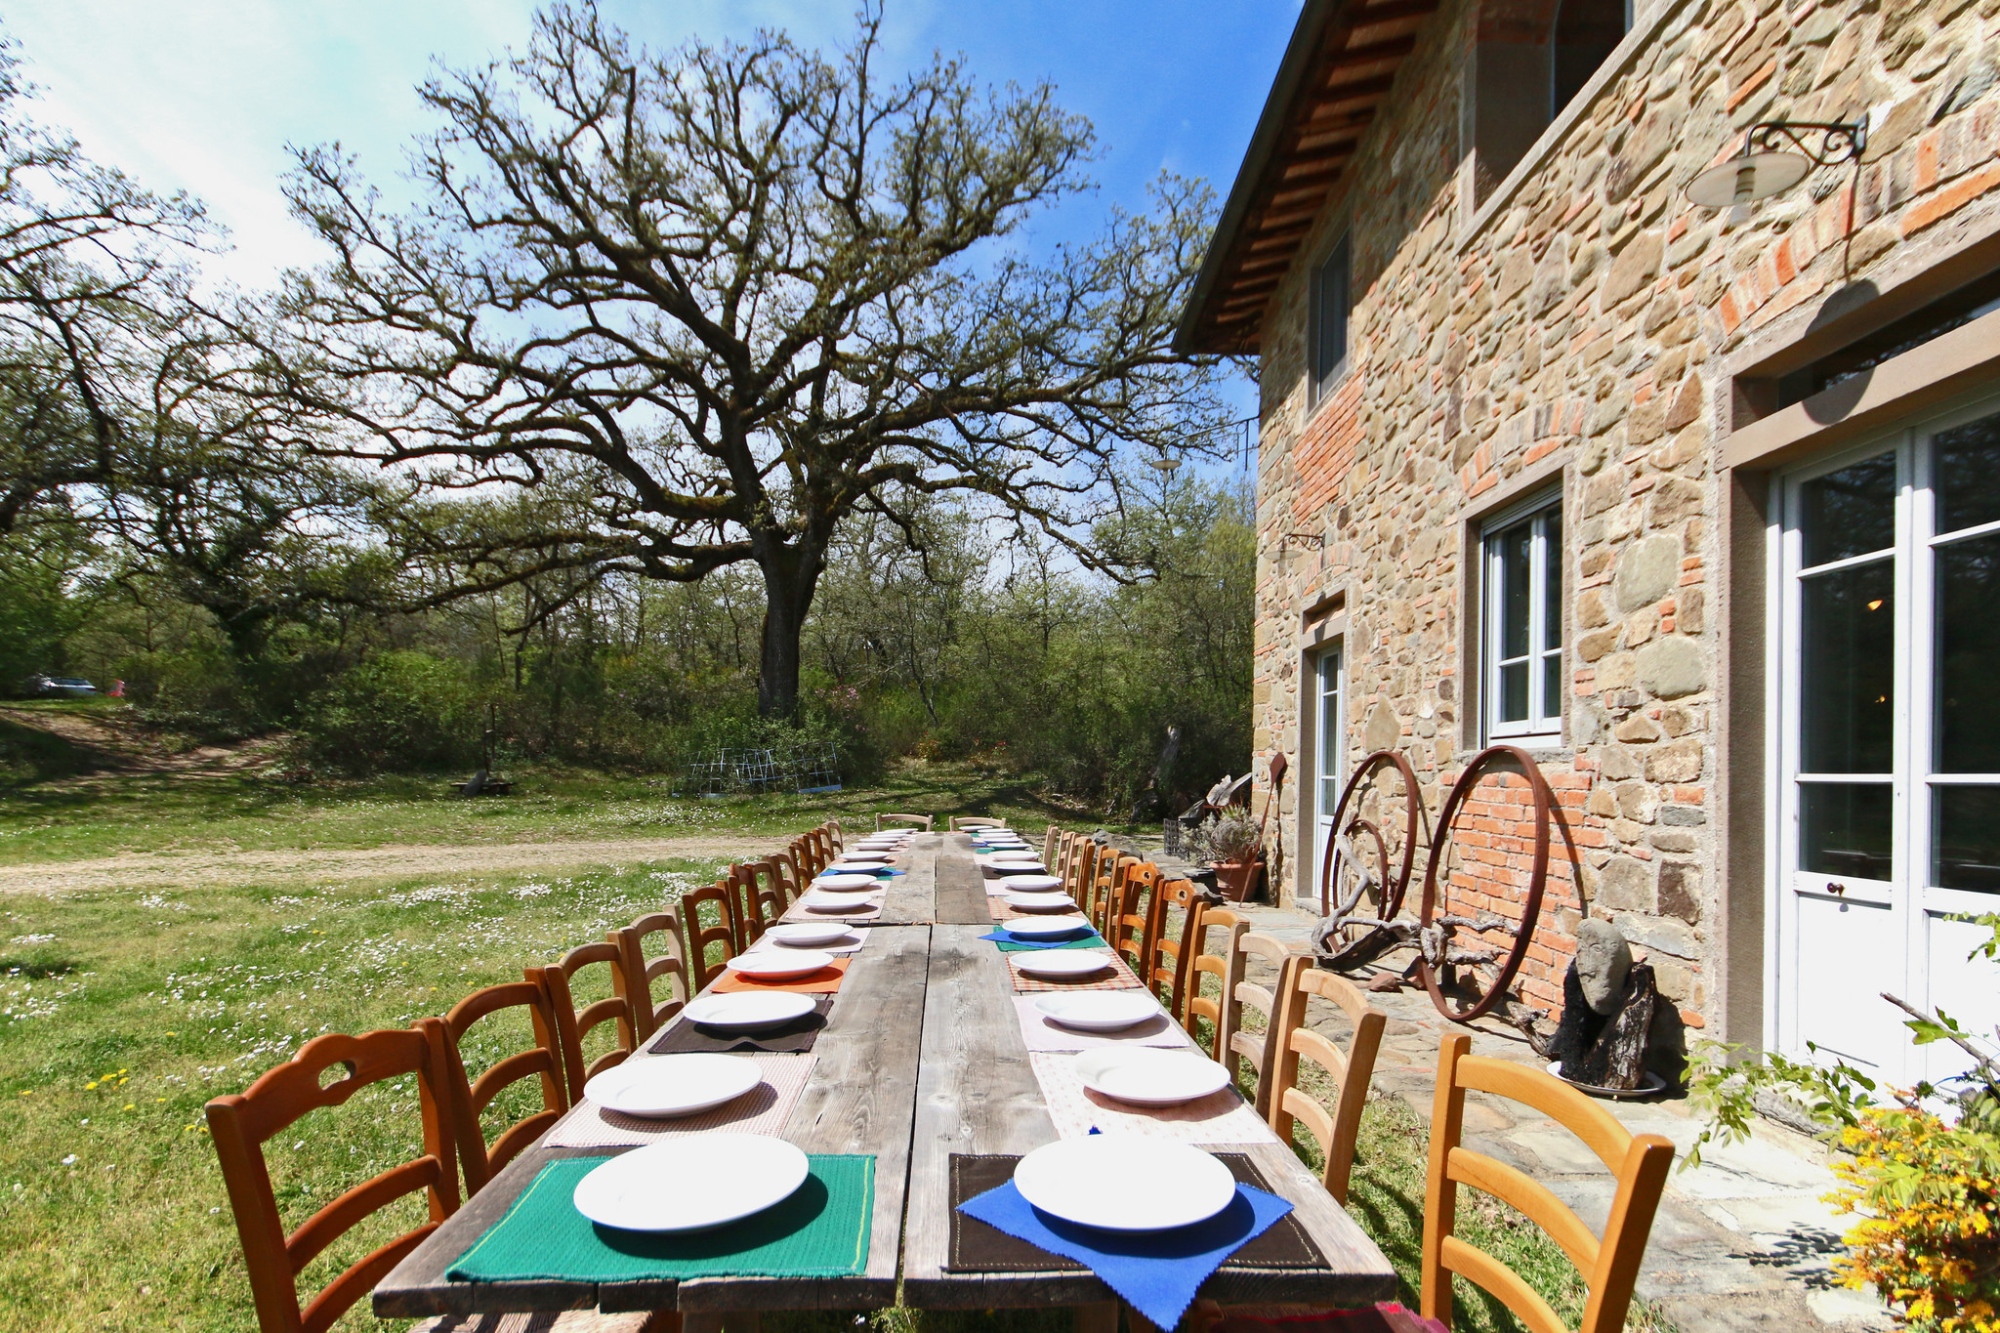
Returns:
<point x="1888" y="792"/>
<point x="1329" y="746"/>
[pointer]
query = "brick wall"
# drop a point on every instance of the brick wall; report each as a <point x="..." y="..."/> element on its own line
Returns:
<point x="1582" y="326"/>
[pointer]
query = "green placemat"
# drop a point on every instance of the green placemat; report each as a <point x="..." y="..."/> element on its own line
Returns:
<point x="821" y="1231"/>
<point x="1091" y="941"/>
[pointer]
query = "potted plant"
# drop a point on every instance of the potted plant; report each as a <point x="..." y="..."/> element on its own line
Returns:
<point x="1231" y="846"/>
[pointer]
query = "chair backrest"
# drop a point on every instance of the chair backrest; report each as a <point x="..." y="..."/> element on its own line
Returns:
<point x="1352" y="1070"/>
<point x="811" y="858"/>
<point x="742" y="882"/>
<point x="242" y="1122"/>
<point x="1171" y="953"/>
<point x="641" y="970"/>
<point x="1049" y="841"/>
<point x="966" y="823"/>
<point x="1138" y="919"/>
<point x="1079" y="870"/>
<point x="775" y="891"/>
<point x="1240" y="1043"/>
<point x="471" y="1097"/>
<point x="700" y="935"/>
<point x="574" y="1026"/>
<point x="1065" y="845"/>
<point x="1107" y="891"/>
<point x="916" y="821"/>
<point x="834" y="831"/>
<point x="1609" y="1264"/>
<point x="1226" y="967"/>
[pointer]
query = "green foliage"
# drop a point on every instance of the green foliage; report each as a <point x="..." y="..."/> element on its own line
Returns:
<point x="397" y="710"/>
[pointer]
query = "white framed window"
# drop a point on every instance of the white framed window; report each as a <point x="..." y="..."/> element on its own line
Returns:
<point x="1521" y="621"/>
<point x="1332" y="300"/>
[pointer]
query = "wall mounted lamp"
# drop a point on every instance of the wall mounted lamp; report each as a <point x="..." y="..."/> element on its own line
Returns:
<point x="1776" y="155"/>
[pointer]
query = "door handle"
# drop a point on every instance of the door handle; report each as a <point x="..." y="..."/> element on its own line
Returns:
<point x="1836" y="889"/>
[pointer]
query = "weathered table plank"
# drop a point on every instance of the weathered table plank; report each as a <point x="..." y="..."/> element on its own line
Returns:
<point x="977" y="1094"/>
<point x="912" y="898"/>
<point x="961" y="885"/>
<point x="860" y="1099"/>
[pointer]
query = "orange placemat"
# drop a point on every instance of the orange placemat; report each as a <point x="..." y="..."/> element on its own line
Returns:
<point x="823" y="982"/>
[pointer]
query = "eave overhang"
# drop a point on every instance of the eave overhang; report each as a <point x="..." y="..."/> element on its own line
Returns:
<point x="1338" y="68"/>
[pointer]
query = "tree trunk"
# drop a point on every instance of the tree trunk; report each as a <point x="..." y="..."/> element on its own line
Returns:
<point x="791" y="577"/>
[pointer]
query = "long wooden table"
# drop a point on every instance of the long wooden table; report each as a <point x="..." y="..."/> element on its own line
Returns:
<point x="922" y="1057"/>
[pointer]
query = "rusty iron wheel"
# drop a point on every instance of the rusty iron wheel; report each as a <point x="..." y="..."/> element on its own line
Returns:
<point x="1531" y="912"/>
<point x="1395" y="887"/>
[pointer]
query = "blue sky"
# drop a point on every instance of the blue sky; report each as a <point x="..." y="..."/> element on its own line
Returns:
<point x="204" y="95"/>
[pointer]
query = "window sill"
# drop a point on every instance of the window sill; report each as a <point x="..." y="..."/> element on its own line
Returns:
<point x="1642" y="35"/>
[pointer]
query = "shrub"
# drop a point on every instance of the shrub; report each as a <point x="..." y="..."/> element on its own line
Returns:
<point x="397" y="710"/>
<point x="1929" y="1235"/>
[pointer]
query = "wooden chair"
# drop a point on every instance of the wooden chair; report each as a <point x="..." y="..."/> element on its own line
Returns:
<point x="1239" y="1044"/>
<point x="242" y="1122"/>
<point x="574" y="1026"/>
<point x="641" y="971"/>
<point x="1079" y="870"/>
<point x="806" y="849"/>
<point x="469" y="1099"/>
<point x="1226" y="967"/>
<point x="1137" y="922"/>
<point x="915" y="821"/>
<point x="1049" y="861"/>
<point x="834" y="831"/>
<point x="1352" y="1069"/>
<point x="698" y="937"/>
<point x="829" y="851"/>
<point x="1167" y="964"/>
<point x="1609" y="1264"/>
<point x="967" y="823"/>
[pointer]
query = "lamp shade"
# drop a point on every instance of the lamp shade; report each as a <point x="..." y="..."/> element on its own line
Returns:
<point x="1747" y="178"/>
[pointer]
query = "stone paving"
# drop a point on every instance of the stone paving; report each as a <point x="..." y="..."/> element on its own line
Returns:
<point x="1740" y="1242"/>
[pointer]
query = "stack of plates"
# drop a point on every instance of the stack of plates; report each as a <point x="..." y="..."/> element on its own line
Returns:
<point x="1040" y="902"/>
<point x="673" y="1085"/>
<point x="1097" y="1011"/>
<point x="692" y="1184"/>
<point x="779" y="964"/>
<point x="1121" y="1183"/>
<point x="747" y="1011"/>
<point x="1149" y="1076"/>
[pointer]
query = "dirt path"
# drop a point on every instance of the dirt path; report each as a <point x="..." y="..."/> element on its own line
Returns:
<point x="151" y="870"/>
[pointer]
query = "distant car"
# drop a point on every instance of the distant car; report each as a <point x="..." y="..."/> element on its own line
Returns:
<point x="69" y="687"/>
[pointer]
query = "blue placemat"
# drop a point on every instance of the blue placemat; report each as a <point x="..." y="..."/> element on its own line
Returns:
<point x="1090" y="939"/>
<point x="1157" y="1272"/>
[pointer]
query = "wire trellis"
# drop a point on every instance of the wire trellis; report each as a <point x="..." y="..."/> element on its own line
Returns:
<point x="805" y="769"/>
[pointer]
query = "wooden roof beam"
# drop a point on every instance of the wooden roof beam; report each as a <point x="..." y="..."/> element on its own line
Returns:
<point x="1354" y="57"/>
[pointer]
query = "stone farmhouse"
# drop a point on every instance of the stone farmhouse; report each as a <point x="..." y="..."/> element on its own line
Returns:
<point x="1699" y="505"/>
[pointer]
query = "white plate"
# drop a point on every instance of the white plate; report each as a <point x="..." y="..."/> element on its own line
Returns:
<point x="835" y="904"/>
<point x="1027" y="866"/>
<point x="854" y="864"/>
<point x="1098" y="1010"/>
<point x="692" y="1184"/>
<point x="1031" y="883"/>
<point x="1040" y="902"/>
<point x="1124" y="1183"/>
<point x="845" y="883"/>
<point x="878" y="847"/>
<point x="1046" y="929"/>
<point x="1062" y="964"/>
<point x="1148" y="1076"/>
<point x="809" y="934"/>
<point x="771" y="965"/>
<point x="748" y="1011"/>
<point x="674" y="1085"/>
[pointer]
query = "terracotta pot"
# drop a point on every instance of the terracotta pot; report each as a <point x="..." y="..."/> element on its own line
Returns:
<point x="1236" y="880"/>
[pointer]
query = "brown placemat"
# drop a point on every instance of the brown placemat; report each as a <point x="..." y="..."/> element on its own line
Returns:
<point x="684" y="1038"/>
<point x="979" y="1248"/>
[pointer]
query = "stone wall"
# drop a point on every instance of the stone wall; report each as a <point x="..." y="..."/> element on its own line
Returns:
<point x="1576" y="327"/>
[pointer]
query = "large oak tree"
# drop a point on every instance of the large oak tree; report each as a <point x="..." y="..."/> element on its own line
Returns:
<point x="711" y="302"/>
